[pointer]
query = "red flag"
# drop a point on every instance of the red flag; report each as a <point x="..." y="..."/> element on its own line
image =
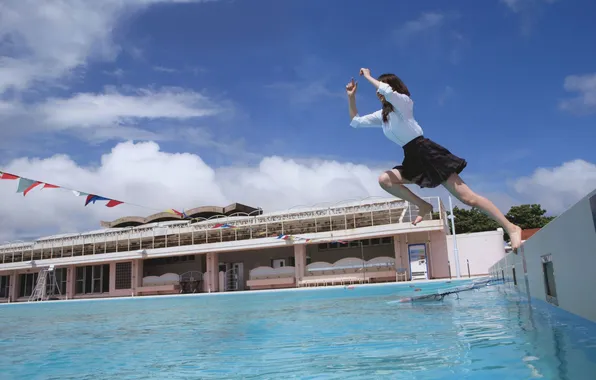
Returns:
<point x="49" y="186"/>
<point x="113" y="203"/>
<point x="8" y="176"/>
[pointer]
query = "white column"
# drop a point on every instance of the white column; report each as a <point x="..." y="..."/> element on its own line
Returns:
<point x="299" y="262"/>
<point x="212" y="273"/>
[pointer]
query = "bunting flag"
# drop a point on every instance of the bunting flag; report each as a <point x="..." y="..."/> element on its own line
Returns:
<point x="224" y="225"/>
<point x="4" y="175"/>
<point x="25" y="185"/>
<point x="110" y="202"/>
<point x="172" y="211"/>
<point x="292" y="238"/>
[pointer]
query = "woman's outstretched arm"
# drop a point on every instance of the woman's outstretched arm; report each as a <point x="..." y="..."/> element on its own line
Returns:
<point x="372" y="120"/>
<point x="366" y="74"/>
<point x="351" y="91"/>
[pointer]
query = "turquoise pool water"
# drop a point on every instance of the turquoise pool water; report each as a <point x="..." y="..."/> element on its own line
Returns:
<point x="338" y="333"/>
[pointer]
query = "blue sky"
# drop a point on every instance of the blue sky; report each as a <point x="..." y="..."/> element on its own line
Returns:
<point x="485" y="83"/>
<point x="508" y="85"/>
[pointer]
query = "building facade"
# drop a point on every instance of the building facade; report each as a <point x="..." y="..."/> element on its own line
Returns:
<point x="370" y="240"/>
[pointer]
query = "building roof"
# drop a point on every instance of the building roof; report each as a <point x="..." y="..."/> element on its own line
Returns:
<point x="203" y="212"/>
<point x="237" y="214"/>
<point x="526" y="234"/>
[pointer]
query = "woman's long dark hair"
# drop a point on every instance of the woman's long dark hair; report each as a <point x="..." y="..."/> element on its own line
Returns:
<point x="398" y="86"/>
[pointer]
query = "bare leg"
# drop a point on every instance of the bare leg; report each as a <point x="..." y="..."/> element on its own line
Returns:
<point x="461" y="191"/>
<point x="392" y="182"/>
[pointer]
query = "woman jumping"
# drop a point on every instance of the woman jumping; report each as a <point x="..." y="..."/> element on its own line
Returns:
<point x="426" y="163"/>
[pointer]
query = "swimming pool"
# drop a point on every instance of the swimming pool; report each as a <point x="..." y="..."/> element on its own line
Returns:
<point x="331" y="333"/>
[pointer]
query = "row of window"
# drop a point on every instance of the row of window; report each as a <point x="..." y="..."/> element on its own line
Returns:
<point x="4" y="286"/>
<point x="88" y="280"/>
<point x="167" y="260"/>
<point x="27" y="282"/>
<point x="356" y="243"/>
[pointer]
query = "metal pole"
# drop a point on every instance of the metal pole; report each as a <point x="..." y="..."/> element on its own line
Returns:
<point x="449" y="267"/>
<point x="455" y="251"/>
<point x="468" y="263"/>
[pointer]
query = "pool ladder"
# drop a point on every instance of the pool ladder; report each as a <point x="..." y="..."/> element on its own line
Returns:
<point x="39" y="292"/>
<point x="42" y="291"/>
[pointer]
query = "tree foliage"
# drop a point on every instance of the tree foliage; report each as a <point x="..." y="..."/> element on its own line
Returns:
<point x="528" y="216"/>
<point x="473" y="220"/>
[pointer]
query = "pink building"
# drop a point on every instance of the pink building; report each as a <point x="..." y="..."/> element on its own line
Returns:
<point x="232" y="248"/>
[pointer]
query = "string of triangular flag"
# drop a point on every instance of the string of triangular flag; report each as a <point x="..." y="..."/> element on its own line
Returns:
<point x="26" y="185"/>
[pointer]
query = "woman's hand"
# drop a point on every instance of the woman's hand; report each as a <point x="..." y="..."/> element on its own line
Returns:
<point x="351" y="87"/>
<point x="365" y="72"/>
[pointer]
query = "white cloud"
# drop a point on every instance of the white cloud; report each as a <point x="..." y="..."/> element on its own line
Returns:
<point x="114" y="114"/>
<point x="585" y="87"/>
<point x="560" y="187"/>
<point x="434" y="33"/>
<point x="528" y="12"/>
<point x="445" y="95"/>
<point x="142" y="174"/>
<point x="46" y="41"/>
<point x="520" y="5"/>
<point x="115" y="108"/>
<point x="426" y="21"/>
<point x="44" y="46"/>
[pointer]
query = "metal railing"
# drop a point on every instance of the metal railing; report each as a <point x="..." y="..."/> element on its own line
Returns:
<point x="340" y="216"/>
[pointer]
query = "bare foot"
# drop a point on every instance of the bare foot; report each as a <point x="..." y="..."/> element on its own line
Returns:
<point x="515" y="236"/>
<point x="428" y="208"/>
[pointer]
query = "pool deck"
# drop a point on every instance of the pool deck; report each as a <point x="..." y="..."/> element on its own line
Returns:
<point x="245" y="292"/>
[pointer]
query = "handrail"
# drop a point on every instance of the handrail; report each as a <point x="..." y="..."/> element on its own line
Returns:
<point x="188" y="233"/>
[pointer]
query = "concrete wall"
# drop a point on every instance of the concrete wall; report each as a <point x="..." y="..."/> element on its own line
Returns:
<point x="481" y="249"/>
<point x="570" y="240"/>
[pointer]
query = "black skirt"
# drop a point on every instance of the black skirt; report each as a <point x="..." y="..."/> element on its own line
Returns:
<point x="428" y="164"/>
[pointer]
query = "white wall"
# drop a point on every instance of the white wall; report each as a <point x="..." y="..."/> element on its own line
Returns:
<point x="571" y="240"/>
<point x="482" y="249"/>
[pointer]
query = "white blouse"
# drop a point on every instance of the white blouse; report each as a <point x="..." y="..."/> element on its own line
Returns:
<point x="401" y="127"/>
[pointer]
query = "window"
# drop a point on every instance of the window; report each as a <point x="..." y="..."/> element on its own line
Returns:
<point x="356" y="243"/>
<point x="92" y="279"/>
<point x="60" y="275"/>
<point x="27" y="283"/>
<point x="167" y="260"/>
<point x="4" y="286"/>
<point x="124" y="275"/>
<point x="550" y="287"/>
